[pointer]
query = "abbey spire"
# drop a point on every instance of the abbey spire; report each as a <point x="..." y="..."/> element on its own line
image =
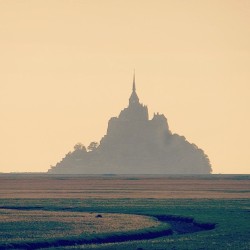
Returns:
<point x="134" y="99"/>
<point x="134" y="89"/>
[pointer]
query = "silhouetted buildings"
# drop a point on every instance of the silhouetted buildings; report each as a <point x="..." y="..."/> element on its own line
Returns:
<point x="136" y="145"/>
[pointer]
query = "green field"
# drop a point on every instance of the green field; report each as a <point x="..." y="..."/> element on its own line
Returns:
<point x="231" y="217"/>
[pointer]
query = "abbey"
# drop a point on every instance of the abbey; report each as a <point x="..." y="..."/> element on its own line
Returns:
<point x="136" y="145"/>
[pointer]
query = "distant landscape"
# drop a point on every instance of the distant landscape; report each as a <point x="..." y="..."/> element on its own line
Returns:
<point x="124" y="211"/>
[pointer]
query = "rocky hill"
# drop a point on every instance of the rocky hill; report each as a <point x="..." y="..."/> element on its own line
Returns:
<point x="136" y="145"/>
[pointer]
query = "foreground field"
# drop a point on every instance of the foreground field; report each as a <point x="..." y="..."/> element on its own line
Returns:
<point x="229" y="211"/>
<point x="38" y="225"/>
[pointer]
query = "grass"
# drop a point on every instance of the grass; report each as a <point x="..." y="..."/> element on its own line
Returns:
<point x="231" y="216"/>
<point x="37" y="225"/>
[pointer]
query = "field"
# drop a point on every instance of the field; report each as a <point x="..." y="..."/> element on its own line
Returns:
<point x="124" y="212"/>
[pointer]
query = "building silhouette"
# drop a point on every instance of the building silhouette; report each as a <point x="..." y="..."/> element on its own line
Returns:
<point x="134" y="144"/>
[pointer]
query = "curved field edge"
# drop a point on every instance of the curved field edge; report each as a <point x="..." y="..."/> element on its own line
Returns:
<point x="39" y="225"/>
<point x="143" y="234"/>
<point x="190" y="220"/>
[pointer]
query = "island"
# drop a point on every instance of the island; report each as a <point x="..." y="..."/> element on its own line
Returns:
<point x="135" y="144"/>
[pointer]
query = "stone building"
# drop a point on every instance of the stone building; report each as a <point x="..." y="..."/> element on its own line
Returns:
<point x="134" y="144"/>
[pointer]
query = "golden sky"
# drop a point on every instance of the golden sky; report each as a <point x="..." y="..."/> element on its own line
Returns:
<point x="66" y="67"/>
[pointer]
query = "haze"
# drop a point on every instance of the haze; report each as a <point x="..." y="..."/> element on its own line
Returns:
<point x="67" y="67"/>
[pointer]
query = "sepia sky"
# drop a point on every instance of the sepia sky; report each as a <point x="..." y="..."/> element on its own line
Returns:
<point x="66" y="67"/>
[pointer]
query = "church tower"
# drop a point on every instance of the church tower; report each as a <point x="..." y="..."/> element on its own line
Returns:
<point x="135" y="110"/>
<point x="134" y="99"/>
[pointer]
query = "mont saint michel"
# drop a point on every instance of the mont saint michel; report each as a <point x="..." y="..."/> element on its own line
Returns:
<point x="134" y="144"/>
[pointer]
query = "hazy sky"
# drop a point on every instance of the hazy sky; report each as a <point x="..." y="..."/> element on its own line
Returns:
<point x="66" y="67"/>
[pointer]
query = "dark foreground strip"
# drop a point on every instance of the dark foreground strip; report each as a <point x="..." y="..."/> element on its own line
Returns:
<point x="22" y="207"/>
<point x="182" y="225"/>
<point x="97" y="240"/>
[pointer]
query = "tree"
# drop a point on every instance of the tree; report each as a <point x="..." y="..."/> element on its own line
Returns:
<point x="79" y="146"/>
<point x="93" y="146"/>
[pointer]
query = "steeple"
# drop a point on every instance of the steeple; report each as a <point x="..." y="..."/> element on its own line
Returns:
<point x="133" y="98"/>
<point x="134" y="89"/>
